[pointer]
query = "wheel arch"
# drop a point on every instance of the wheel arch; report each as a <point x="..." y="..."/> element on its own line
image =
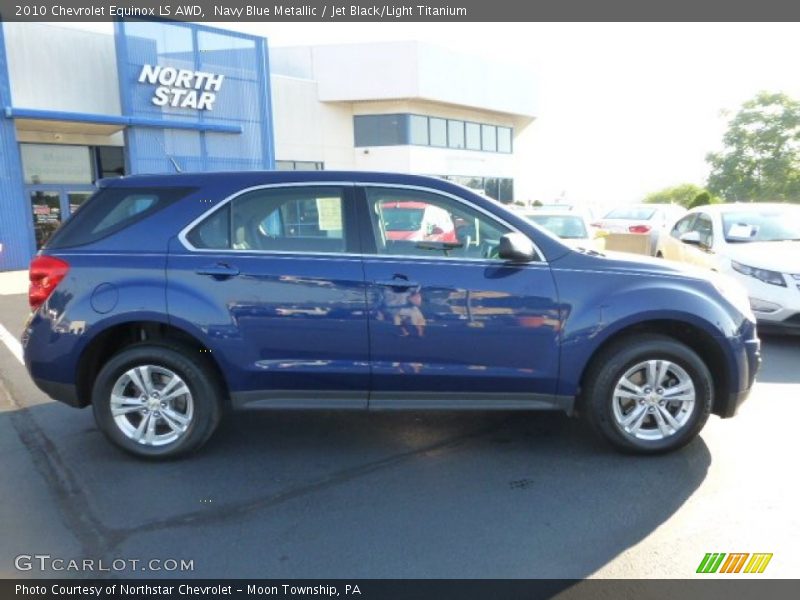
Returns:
<point x="118" y="336"/>
<point x="707" y="346"/>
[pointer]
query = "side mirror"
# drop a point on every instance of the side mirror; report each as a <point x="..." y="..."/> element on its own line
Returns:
<point x="516" y="247"/>
<point x="691" y="237"/>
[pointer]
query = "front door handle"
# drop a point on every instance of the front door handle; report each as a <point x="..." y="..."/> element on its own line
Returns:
<point x="396" y="283"/>
<point x="218" y="270"/>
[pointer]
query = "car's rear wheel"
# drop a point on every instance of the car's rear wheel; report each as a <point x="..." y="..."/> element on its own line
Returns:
<point x="648" y="395"/>
<point x="157" y="401"/>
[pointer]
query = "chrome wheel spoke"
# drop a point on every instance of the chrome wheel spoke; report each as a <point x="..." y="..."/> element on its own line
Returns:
<point x="627" y="384"/>
<point x="142" y="379"/>
<point x="140" y="430"/>
<point x="652" y="373"/>
<point x="150" y="434"/>
<point x="663" y="369"/>
<point x="176" y="421"/>
<point x="122" y="405"/>
<point x="179" y="390"/>
<point x="173" y="382"/>
<point x="667" y="417"/>
<point x="628" y="395"/>
<point x="633" y="421"/>
<point x="680" y="393"/>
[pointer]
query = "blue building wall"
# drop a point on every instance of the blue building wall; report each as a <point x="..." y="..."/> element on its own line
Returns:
<point x="242" y="101"/>
<point x="16" y="234"/>
<point x="236" y="134"/>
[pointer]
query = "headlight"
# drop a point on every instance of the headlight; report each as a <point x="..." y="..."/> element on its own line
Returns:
<point x="734" y="292"/>
<point x="771" y="277"/>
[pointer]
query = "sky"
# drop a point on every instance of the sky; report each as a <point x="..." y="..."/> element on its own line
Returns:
<point x="623" y="109"/>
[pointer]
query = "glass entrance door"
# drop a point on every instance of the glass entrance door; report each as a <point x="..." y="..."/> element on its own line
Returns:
<point x="51" y="205"/>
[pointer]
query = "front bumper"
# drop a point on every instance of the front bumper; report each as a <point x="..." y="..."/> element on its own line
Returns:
<point x="749" y="362"/>
<point x="63" y="392"/>
<point x="789" y="325"/>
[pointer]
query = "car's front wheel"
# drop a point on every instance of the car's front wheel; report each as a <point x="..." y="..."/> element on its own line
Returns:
<point x="156" y="401"/>
<point x="648" y="395"/>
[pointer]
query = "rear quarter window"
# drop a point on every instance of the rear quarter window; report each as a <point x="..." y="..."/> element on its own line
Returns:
<point x="111" y="210"/>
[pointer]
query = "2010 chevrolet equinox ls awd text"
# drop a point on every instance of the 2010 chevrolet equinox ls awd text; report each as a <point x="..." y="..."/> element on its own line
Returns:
<point x="166" y="300"/>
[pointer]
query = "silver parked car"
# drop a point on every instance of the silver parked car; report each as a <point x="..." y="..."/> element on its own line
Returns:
<point x="653" y="220"/>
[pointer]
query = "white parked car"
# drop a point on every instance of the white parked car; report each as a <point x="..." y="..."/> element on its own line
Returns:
<point x="652" y="220"/>
<point x="758" y="244"/>
<point x="572" y="227"/>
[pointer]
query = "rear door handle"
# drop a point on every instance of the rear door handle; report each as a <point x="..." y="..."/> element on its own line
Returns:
<point x="396" y="283"/>
<point x="218" y="270"/>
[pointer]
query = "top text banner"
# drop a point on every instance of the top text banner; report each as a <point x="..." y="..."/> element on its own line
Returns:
<point x="356" y="10"/>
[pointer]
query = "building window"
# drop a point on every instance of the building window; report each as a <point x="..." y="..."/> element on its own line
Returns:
<point x="504" y="140"/>
<point x="418" y="130"/>
<point x="489" y="138"/>
<point x="499" y="188"/>
<point x="473" y="136"/>
<point x="438" y="129"/>
<point x="110" y="161"/>
<point x="421" y="130"/>
<point x="455" y="134"/>
<point x="380" y="130"/>
<point x="298" y="165"/>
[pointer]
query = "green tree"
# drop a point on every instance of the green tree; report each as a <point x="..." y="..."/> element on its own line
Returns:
<point x="760" y="161"/>
<point x="682" y="194"/>
<point x="704" y="198"/>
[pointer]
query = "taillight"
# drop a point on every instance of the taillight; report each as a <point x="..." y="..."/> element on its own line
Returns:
<point x="639" y="229"/>
<point x="46" y="272"/>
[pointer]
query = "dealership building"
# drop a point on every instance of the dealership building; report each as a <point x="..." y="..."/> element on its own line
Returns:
<point x="159" y="97"/>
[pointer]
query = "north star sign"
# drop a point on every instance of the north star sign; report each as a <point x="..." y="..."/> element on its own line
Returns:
<point x="182" y="88"/>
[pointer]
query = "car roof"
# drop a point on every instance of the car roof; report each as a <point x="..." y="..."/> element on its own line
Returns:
<point x="268" y="177"/>
<point x="735" y="206"/>
<point x="554" y="213"/>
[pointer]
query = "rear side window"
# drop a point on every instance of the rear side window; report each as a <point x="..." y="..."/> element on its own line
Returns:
<point x="110" y="210"/>
<point x="292" y="219"/>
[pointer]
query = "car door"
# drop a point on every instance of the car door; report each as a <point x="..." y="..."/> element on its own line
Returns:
<point x="450" y="324"/>
<point x="274" y="281"/>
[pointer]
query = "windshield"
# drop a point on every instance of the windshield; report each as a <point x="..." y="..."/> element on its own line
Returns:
<point x="403" y="219"/>
<point x="762" y="224"/>
<point x="564" y="226"/>
<point x="632" y="213"/>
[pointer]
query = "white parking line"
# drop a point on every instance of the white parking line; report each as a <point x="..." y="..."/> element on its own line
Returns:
<point x="11" y="343"/>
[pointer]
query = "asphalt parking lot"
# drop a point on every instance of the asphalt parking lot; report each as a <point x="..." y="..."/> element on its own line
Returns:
<point x="325" y="494"/>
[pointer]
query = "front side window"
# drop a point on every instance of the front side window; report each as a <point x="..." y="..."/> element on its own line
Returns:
<point x="424" y="224"/>
<point x="682" y="226"/>
<point x="276" y="219"/>
<point x="704" y="227"/>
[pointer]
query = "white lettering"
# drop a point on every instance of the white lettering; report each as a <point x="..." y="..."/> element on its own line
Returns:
<point x="182" y="88"/>
<point x="161" y="97"/>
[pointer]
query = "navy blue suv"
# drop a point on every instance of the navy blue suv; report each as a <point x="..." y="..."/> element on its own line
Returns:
<point x="168" y="299"/>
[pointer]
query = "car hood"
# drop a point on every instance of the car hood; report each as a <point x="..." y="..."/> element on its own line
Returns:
<point x="638" y="263"/>
<point x="783" y="257"/>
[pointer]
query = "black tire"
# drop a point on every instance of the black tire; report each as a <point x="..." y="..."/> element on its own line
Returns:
<point x="206" y="392"/>
<point x="613" y="362"/>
